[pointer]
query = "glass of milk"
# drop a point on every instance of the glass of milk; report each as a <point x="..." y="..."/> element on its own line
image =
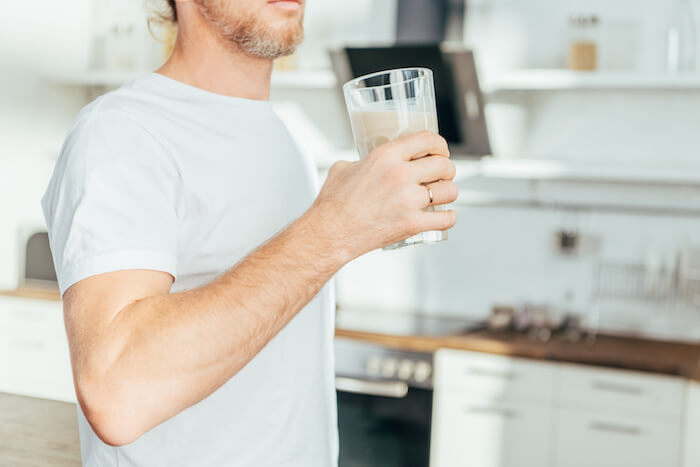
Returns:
<point x="388" y="105"/>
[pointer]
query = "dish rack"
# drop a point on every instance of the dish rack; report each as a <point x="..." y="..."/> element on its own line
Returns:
<point x="673" y="285"/>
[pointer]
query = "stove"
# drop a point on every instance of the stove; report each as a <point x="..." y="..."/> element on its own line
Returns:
<point x="398" y="323"/>
<point x="384" y="394"/>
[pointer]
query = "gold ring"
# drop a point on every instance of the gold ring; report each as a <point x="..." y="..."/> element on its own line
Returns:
<point x="430" y="194"/>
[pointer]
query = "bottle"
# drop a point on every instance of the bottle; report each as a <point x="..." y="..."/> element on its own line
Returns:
<point x="681" y="39"/>
<point x="583" y="43"/>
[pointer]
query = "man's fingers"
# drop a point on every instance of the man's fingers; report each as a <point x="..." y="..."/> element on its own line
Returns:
<point x="431" y="168"/>
<point x="419" y="145"/>
<point x="443" y="192"/>
<point x="437" y="220"/>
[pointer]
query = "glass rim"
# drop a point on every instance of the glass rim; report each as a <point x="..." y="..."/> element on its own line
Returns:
<point x="348" y="86"/>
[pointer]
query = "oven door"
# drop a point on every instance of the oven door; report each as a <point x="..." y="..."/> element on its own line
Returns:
<point x="383" y="423"/>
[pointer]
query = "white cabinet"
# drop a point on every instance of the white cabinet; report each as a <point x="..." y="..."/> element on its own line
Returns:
<point x="489" y="433"/>
<point x="691" y="446"/>
<point x="493" y="376"/>
<point x="621" y="391"/>
<point x="608" y="439"/>
<point x="617" y="418"/>
<point x="34" y="357"/>
<point x="497" y="411"/>
<point x="491" y="411"/>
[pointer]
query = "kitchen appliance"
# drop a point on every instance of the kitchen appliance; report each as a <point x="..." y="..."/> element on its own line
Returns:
<point x="460" y="103"/>
<point x="385" y="394"/>
<point x="35" y="262"/>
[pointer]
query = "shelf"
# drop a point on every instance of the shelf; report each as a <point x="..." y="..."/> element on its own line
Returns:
<point x="609" y="172"/>
<point x="307" y="79"/>
<point x="566" y="80"/>
<point x="511" y="81"/>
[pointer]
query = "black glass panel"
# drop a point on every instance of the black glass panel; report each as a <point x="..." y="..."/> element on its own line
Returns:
<point x="384" y="432"/>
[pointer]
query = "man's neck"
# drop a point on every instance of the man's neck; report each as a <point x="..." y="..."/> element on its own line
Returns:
<point x="201" y="59"/>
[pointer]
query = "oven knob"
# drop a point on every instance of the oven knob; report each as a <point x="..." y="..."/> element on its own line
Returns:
<point x="373" y="366"/>
<point x="422" y="372"/>
<point x="389" y="367"/>
<point x="405" y="369"/>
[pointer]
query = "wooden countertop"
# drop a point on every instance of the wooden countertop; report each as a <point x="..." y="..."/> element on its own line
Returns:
<point x="34" y="293"/>
<point x="670" y="358"/>
<point x="38" y="432"/>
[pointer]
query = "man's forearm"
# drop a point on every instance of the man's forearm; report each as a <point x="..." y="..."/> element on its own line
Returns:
<point x="167" y="352"/>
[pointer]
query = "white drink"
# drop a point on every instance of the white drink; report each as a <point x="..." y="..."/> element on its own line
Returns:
<point x="373" y="128"/>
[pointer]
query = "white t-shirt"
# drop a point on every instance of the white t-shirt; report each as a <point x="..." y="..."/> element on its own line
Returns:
<point x="164" y="176"/>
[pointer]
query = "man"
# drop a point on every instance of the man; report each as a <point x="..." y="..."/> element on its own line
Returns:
<point x="193" y="254"/>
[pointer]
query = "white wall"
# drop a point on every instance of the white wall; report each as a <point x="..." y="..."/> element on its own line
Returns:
<point x="652" y="125"/>
<point x="35" y="38"/>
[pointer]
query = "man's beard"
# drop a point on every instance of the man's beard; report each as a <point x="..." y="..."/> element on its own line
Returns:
<point x="250" y="35"/>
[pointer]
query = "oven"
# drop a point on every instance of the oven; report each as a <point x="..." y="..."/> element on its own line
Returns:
<point x="385" y="395"/>
<point x="384" y="405"/>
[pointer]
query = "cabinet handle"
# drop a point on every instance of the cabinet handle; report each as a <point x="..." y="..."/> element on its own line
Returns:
<point x="505" y="413"/>
<point x="394" y="389"/>
<point x="617" y="387"/>
<point x="475" y="371"/>
<point x="616" y="428"/>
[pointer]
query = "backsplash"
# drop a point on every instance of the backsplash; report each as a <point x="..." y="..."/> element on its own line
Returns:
<point x="507" y="255"/>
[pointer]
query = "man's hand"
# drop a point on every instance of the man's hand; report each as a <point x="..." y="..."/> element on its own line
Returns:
<point x="379" y="200"/>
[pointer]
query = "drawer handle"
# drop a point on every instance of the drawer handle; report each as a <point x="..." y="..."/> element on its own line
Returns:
<point x="394" y="389"/>
<point x="616" y="387"/>
<point x="491" y="373"/>
<point x="505" y="413"/>
<point x="615" y="428"/>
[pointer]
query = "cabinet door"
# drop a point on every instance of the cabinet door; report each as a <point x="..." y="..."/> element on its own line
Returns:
<point x="34" y="357"/>
<point x="487" y="376"/>
<point x="691" y="456"/>
<point x="605" y="439"/>
<point x="622" y="391"/>
<point x="488" y="433"/>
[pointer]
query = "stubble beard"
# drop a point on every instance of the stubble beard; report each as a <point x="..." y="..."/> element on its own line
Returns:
<point x="248" y="34"/>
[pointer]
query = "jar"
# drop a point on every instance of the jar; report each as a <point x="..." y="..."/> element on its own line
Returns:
<point x="583" y="42"/>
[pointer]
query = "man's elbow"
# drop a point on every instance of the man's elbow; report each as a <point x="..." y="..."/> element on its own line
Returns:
<point x="110" y="413"/>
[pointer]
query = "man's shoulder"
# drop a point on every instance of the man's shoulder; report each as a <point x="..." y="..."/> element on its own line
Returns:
<point x="116" y="126"/>
<point x="123" y="105"/>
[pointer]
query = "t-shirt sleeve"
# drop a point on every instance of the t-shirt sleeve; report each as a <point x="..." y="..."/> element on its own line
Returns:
<point x="111" y="203"/>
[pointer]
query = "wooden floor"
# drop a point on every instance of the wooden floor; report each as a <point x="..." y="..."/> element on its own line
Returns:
<point x="38" y="433"/>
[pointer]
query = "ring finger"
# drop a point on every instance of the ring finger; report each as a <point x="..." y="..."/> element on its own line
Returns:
<point x="443" y="192"/>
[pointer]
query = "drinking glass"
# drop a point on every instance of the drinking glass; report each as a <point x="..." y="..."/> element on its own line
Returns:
<point x="390" y="104"/>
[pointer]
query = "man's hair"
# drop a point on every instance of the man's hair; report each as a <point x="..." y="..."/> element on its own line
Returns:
<point x="173" y="11"/>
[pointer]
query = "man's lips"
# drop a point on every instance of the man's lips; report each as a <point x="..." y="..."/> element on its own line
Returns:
<point x="286" y="4"/>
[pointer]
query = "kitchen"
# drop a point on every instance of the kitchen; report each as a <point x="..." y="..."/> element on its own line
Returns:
<point x="559" y="323"/>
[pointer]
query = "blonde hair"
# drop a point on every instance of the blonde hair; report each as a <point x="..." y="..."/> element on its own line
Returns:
<point x="162" y="23"/>
<point x="173" y="11"/>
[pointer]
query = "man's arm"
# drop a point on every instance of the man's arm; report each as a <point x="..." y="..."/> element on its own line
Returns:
<point x="141" y="355"/>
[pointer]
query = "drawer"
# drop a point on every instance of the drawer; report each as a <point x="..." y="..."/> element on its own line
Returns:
<point x="469" y="432"/>
<point x="493" y="376"/>
<point x="691" y="455"/>
<point x="34" y="356"/>
<point x="37" y="367"/>
<point x="585" y="439"/>
<point x="23" y="317"/>
<point x="620" y="390"/>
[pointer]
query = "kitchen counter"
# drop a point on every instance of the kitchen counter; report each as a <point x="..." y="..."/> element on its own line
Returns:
<point x="670" y="358"/>
<point x="33" y="293"/>
<point x="38" y="432"/>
